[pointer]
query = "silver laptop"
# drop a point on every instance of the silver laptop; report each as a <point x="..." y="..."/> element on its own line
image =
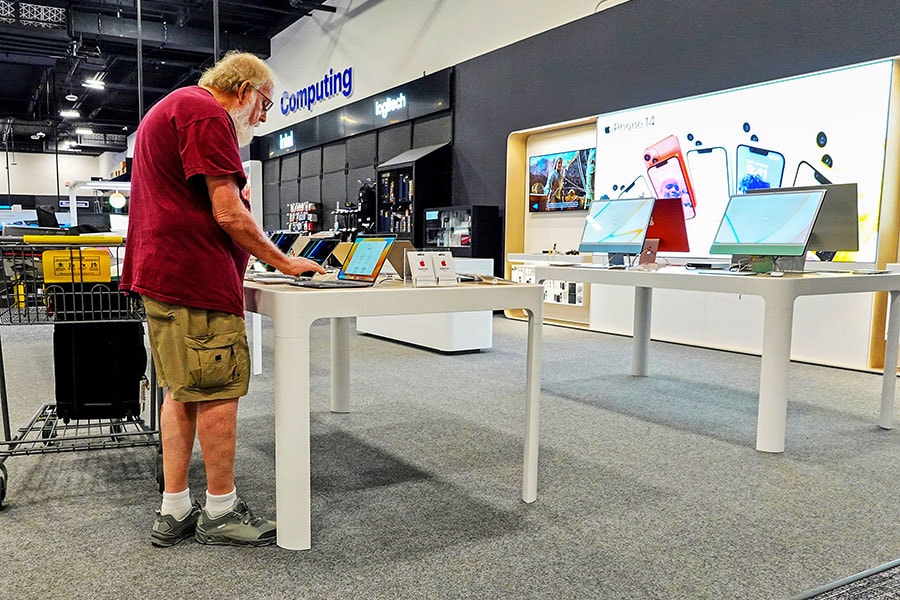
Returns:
<point x="361" y="266"/>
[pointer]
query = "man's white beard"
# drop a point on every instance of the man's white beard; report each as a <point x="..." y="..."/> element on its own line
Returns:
<point x="241" y="118"/>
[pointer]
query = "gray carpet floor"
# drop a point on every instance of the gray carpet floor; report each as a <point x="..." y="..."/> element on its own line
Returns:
<point x="648" y="488"/>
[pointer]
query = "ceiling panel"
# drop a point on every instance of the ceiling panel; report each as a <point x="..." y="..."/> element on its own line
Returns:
<point x="49" y="47"/>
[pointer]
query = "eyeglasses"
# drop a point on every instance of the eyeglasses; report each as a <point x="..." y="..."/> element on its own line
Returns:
<point x="267" y="102"/>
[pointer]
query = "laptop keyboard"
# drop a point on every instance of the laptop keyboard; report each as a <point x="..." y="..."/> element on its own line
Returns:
<point x="331" y="283"/>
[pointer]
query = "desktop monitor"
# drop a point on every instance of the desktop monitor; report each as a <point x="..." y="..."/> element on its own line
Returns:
<point x="837" y="226"/>
<point x="616" y="226"/>
<point x="668" y="226"/>
<point x="768" y="223"/>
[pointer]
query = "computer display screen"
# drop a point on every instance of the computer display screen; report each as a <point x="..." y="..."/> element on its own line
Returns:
<point x="618" y="226"/>
<point x="837" y="226"/>
<point x="768" y="224"/>
<point x="561" y="181"/>
<point x="667" y="224"/>
<point x="367" y="254"/>
<point x="318" y="250"/>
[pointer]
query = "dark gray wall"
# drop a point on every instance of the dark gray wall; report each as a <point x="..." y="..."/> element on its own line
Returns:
<point x="331" y="174"/>
<point x="643" y="52"/>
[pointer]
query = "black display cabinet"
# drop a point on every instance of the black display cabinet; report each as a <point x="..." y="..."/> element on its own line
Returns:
<point x="471" y="231"/>
<point x="409" y="184"/>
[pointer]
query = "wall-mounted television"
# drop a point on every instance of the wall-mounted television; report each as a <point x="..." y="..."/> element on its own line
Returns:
<point x="561" y="181"/>
<point x="617" y="226"/>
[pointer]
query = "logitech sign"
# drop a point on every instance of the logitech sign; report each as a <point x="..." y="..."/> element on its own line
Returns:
<point x="386" y="106"/>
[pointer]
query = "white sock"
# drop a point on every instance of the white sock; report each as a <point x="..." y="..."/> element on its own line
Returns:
<point x="178" y="504"/>
<point x="216" y="506"/>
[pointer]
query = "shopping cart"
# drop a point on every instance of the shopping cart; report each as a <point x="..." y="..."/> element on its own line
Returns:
<point x="71" y="283"/>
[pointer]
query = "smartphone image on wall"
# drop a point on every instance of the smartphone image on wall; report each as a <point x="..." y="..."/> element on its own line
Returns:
<point x="669" y="180"/>
<point x="757" y="169"/>
<point x="808" y="175"/>
<point x="668" y="173"/>
<point x="708" y="168"/>
<point x="637" y="189"/>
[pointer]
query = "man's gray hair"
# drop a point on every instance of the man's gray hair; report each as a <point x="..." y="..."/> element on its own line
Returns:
<point x="233" y="69"/>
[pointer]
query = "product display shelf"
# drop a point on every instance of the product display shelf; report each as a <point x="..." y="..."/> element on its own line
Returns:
<point x="466" y="231"/>
<point x="408" y="184"/>
<point x="444" y="332"/>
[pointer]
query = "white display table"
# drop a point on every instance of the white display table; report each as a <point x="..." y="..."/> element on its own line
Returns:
<point x="779" y="294"/>
<point x="293" y="310"/>
<point x="446" y="332"/>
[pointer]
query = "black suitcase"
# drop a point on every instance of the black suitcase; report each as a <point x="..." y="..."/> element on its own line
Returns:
<point x="98" y="369"/>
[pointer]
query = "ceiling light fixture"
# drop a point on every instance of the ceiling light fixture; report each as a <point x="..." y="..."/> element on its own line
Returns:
<point x="38" y="135"/>
<point x="69" y="114"/>
<point x="71" y="97"/>
<point x="94" y="84"/>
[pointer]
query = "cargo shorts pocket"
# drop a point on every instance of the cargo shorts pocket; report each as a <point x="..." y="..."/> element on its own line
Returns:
<point x="211" y="359"/>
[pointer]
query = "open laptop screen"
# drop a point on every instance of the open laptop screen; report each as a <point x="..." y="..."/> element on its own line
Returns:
<point x="363" y="262"/>
<point x="318" y="250"/>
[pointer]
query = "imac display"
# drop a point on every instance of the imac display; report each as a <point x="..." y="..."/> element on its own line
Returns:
<point x="837" y="227"/>
<point x="667" y="224"/>
<point x="561" y="181"/>
<point x="768" y="224"/>
<point x="617" y="226"/>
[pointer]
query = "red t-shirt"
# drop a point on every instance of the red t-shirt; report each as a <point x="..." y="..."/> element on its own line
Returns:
<point x="175" y="251"/>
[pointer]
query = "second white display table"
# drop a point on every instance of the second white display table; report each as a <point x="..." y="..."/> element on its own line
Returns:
<point x="445" y="332"/>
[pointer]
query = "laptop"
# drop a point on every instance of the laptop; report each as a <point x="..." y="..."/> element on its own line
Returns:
<point x="284" y="240"/>
<point x="361" y="266"/>
<point x="316" y="250"/>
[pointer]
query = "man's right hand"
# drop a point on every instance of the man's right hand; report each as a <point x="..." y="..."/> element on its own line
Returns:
<point x="296" y="265"/>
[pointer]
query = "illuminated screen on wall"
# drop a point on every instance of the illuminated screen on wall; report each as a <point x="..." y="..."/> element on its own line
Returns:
<point x="779" y="134"/>
<point x="561" y="181"/>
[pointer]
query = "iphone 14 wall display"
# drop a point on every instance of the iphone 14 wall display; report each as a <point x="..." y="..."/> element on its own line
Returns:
<point x="668" y="174"/>
<point x="808" y="175"/>
<point x="757" y="168"/>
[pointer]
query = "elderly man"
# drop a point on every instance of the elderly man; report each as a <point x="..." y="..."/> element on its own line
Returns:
<point x="190" y="235"/>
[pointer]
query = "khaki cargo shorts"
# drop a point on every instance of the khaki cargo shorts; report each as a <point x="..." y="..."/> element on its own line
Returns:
<point x="199" y="354"/>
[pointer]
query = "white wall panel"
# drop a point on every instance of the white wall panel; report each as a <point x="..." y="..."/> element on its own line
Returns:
<point x="390" y="42"/>
<point x="35" y="174"/>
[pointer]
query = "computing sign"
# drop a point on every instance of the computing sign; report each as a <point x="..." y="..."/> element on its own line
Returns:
<point x="333" y="84"/>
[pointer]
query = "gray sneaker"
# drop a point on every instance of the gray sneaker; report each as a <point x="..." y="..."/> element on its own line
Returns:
<point x="167" y="531"/>
<point x="237" y="527"/>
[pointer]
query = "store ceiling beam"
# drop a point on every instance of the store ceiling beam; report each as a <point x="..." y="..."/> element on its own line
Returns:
<point x="21" y="39"/>
<point x="94" y="27"/>
<point x="26" y="59"/>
